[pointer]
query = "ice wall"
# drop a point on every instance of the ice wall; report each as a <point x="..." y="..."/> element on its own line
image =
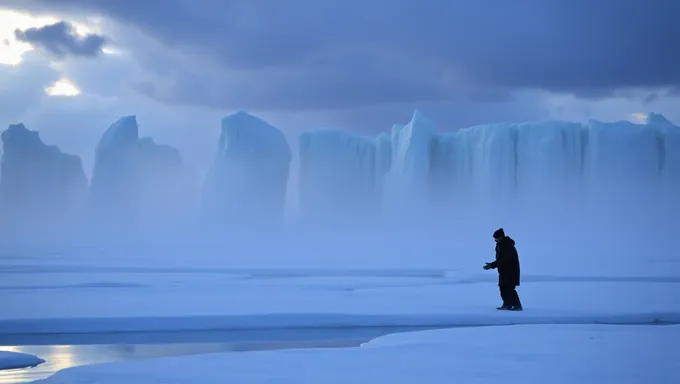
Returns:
<point x="622" y="151"/>
<point x="669" y="148"/>
<point x="497" y="171"/>
<point x="339" y="177"/>
<point x="41" y="188"/>
<point x="476" y="164"/>
<point x="139" y="188"/>
<point x="246" y="187"/>
<point x="406" y="183"/>
<point x="491" y="166"/>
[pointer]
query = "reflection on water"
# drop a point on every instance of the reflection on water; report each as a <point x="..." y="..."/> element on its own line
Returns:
<point x="62" y="351"/>
<point x="59" y="357"/>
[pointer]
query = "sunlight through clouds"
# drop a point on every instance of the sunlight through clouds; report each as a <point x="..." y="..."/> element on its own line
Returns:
<point x="12" y="50"/>
<point x="63" y="87"/>
<point x="640" y="116"/>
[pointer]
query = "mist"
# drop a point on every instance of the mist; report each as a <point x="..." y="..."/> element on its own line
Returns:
<point x="577" y="198"/>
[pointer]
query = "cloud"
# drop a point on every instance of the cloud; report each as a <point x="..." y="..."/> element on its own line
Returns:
<point x="61" y="40"/>
<point x="22" y="88"/>
<point x="324" y="65"/>
<point x="355" y="53"/>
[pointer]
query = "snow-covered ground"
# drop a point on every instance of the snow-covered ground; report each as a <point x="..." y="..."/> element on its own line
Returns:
<point x="511" y="354"/>
<point x="50" y="302"/>
<point x="63" y="293"/>
<point x="14" y="360"/>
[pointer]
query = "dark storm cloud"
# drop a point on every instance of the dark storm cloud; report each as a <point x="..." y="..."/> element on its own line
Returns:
<point x="60" y="39"/>
<point x="358" y="52"/>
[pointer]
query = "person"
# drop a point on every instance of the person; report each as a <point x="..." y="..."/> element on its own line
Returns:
<point x="507" y="263"/>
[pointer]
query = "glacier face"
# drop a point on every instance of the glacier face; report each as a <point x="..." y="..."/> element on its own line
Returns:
<point x="491" y="170"/>
<point x="246" y="186"/>
<point x="496" y="165"/>
<point x="405" y="184"/>
<point x="41" y="188"/>
<point x="507" y="172"/>
<point x="669" y="149"/>
<point x="138" y="187"/>
<point x="346" y="177"/>
<point x="338" y="177"/>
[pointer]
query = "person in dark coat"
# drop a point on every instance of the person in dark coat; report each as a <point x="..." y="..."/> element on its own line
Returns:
<point x="507" y="263"/>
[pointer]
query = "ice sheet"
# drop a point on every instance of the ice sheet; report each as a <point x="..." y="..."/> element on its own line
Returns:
<point x="52" y="299"/>
<point x="14" y="360"/>
<point x="594" y="354"/>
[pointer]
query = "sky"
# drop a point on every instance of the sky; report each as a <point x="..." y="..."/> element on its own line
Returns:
<point x="70" y="68"/>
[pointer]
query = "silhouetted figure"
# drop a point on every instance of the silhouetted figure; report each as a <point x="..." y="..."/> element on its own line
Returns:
<point x="507" y="263"/>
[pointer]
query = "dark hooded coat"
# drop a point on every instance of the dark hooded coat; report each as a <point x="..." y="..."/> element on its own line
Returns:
<point x="507" y="263"/>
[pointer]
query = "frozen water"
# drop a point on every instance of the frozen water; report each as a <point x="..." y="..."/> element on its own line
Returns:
<point x="153" y="291"/>
<point x="108" y="297"/>
<point x="479" y="164"/>
<point x="13" y="360"/>
<point x="670" y="151"/>
<point x="497" y="172"/>
<point x="139" y="188"/>
<point x="41" y="189"/>
<point x="246" y="187"/>
<point x="591" y="205"/>
<point x="519" y="354"/>
<point x="405" y="190"/>
<point x="622" y="151"/>
<point x="413" y="179"/>
<point x="338" y="177"/>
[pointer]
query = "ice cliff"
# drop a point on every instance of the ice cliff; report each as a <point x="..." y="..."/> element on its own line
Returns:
<point x="41" y="188"/>
<point x="339" y="176"/>
<point x="246" y="185"/>
<point x="406" y="180"/>
<point x="139" y="187"/>
<point x="668" y="150"/>
<point x="411" y="174"/>
<point x="487" y="168"/>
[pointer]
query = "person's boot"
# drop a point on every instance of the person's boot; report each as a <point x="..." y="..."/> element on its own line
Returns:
<point x="516" y="308"/>
<point x="503" y="307"/>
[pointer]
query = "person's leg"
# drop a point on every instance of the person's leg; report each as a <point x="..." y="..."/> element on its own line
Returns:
<point x="504" y="297"/>
<point x="515" y="303"/>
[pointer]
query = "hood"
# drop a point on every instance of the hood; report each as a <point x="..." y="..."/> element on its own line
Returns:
<point x="508" y="240"/>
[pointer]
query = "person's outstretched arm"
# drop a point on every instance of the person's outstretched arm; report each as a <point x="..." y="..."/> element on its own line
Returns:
<point x="501" y="259"/>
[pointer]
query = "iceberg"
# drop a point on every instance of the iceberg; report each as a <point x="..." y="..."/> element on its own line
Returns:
<point x="407" y="180"/>
<point x="491" y="166"/>
<point x="339" y="177"/>
<point x="410" y="176"/>
<point x="669" y="150"/>
<point x="492" y="171"/>
<point x="477" y="164"/>
<point x="549" y="160"/>
<point x="139" y="185"/>
<point x="245" y="189"/>
<point x="41" y="188"/>
<point x="618" y="152"/>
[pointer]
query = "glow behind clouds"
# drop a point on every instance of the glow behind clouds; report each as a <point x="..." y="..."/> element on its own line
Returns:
<point x="11" y="51"/>
<point x="63" y="87"/>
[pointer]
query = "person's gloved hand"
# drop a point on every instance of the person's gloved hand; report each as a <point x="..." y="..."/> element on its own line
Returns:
<point x="487" y="266"/>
